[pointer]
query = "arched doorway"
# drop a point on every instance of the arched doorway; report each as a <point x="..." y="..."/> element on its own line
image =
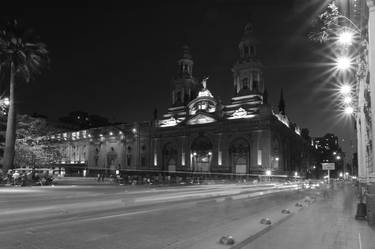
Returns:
<point x="201" y="150"/>
<point x="169" y="157"/>
<point x="239" y="151"/>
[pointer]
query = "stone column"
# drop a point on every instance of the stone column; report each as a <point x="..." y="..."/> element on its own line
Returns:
<point x="371" y="57"/>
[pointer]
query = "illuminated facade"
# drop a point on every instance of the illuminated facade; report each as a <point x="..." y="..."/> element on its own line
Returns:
<point x="199" y="133"/>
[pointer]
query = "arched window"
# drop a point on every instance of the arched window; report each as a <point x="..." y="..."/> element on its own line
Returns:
<point x="255" y="81"/>
<point x="239" y="151"/>
<point x="245" y="83"/>
<point x="169" y="154"/>
<point x="201" y="149"/>
<point x="252" y="51"/>
<point x="246" y="51"/>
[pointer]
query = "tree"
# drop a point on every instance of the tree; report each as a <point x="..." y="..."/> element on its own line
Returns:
<point x="23" y="57"/>
<point x="32" y="147"/>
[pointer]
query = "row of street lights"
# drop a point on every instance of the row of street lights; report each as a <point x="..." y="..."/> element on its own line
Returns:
<point x="344" y="63"/>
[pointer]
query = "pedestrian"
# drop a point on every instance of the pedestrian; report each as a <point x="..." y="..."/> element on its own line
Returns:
<point x="99" y="176"/>
<point x="103" y="175"/>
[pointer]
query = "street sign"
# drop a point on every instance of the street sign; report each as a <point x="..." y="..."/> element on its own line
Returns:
<point x="328" y="166"/>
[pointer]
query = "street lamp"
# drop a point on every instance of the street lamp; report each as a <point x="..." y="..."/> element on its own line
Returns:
<point x="345" y="38"/>
<point x="345" y="89"/>
<point x="343" y="63"/>
<point x="348" y="110"/>
<point x="347" y="100"/>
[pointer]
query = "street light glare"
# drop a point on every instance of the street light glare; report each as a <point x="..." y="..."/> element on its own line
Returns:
<point x="343" y="63"/>
<point x="6" y="101"/>
<point x="349" y="110"/>
<point x="347" y="100"/>
<point x="345" y="89"/>
<point x="345" y="38"/>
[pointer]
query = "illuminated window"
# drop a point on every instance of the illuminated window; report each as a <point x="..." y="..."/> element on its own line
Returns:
<point x="183" y="158"/>
<point x="259" y="159"/>
<point x="155" y="159"/>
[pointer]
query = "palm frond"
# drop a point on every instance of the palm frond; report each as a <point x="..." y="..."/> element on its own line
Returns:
<point x="22" y="47"/>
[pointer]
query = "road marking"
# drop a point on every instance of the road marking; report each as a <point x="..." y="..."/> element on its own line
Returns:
<point x="120" y="215"/>
<point x="359" y="239"/>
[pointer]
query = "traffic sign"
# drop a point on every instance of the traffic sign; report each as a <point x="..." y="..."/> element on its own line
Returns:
<point x="328" y="166"/>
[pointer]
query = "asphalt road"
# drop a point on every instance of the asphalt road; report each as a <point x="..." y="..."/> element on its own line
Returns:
<point x="130" y="217"/>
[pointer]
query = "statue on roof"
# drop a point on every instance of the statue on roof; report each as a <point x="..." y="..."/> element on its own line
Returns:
<point x="204" y="82"/>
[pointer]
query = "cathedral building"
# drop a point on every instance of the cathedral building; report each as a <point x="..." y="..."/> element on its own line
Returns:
<point x="198" y="133"/>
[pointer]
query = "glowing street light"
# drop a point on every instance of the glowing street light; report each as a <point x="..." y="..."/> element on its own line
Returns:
<point x="343" y="63"/>
<point x="345" y="38"/>
<point x="338" y="157"/>
<point x="349" y="110"/>
<point x="345" y="89"/>
<point x="268" y="172"/>
<point x="347" y="100"/>
<point x="6" y="101"/>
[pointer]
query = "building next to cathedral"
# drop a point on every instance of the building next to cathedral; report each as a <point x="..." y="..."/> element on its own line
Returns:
<point x="198" y="133"/>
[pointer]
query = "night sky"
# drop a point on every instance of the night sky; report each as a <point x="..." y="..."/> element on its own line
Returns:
<point x="118" y="62"/>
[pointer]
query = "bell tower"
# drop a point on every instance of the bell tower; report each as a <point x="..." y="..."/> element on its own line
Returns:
<point x="247" y="79"/>
<point x="247" y="72"/>
<point x="185" y="87"/>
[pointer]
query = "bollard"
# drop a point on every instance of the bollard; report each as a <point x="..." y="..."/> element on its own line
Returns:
<point x="285" y="211"/>
<point x="299" y="204"/>
<point x="226" y="240"/>
<point x="265" y="221"/>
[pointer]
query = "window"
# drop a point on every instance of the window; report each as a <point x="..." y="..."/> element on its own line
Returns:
<point x="255" y="81"/>
<point x="183" y="158"/>
<point x="246" y="51"/>
<point x="178" y="96"/>
<point x="143" y="147"/>
<point x="143" y="161"/>
<point x="129" y="160"/>
<point x="155" y="159"/>
<point x="252" y="50"/>
<point x="259" y="158"/>
<point x="245" y="83"/>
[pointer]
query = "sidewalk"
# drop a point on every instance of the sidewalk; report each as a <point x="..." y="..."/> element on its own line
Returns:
<point x="328" y="224"/>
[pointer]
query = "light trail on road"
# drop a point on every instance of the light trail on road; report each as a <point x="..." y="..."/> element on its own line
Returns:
<point x="128" y="211"/>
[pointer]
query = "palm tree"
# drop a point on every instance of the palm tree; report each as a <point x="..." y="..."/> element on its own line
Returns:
<point x="23" y="57"/>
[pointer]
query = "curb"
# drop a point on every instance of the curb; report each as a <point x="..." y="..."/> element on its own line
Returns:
<point x="260" y="233"/>
<point x="263" y="231"/>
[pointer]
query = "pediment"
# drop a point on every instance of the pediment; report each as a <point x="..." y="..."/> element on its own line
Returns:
<point x="200" y="119"/>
